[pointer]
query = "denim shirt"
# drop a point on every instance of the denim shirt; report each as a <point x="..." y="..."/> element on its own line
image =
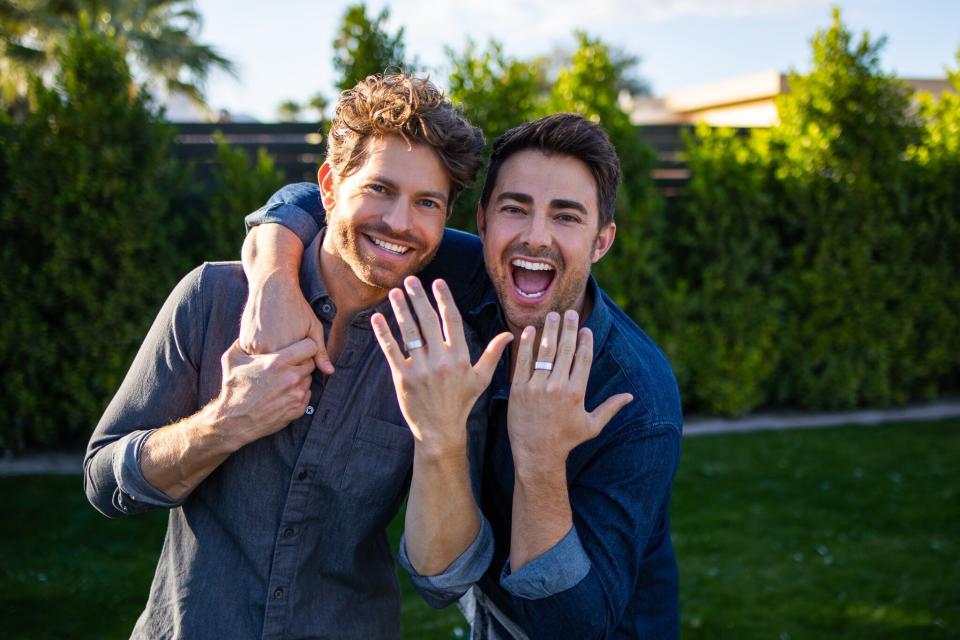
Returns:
<point x="286" y="538"/>
<point x="614" y="574"/>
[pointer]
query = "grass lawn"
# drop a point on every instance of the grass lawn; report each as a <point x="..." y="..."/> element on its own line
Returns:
<point x="838" y="533"/>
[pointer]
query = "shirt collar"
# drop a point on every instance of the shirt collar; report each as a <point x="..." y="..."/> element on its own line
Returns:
<point x="311" y="279"/>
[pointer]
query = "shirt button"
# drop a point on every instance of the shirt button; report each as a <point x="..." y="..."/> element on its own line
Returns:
<point x="309" y="410"/>
<point x="287" y="533"/>
<point x="302" y="476"/>
<point x="326" y="308"/>
<point x="278" y="594"/>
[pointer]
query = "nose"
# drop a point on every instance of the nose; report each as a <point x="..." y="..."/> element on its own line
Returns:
<point x="399" y="216"/>
<point x="536" y="233"/>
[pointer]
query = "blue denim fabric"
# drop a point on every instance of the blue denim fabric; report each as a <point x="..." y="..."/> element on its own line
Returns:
<point x="615" y="575"/>
<point x="287" y="538"/>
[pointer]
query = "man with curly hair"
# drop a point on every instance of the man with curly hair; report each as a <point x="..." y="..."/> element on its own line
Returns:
<point x="279" y="478"/>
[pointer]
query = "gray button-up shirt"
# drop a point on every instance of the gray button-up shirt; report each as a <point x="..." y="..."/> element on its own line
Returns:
<point x="286" y="539"/>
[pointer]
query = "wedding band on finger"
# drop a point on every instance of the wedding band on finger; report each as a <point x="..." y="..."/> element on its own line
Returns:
<point x="543" y="366"/>
<point x="413" y="344"/>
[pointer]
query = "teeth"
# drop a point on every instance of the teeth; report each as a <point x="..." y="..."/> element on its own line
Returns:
<point x="523" y="293"/>
<point x="389" y="246"/>
<point x="532" y="266"/>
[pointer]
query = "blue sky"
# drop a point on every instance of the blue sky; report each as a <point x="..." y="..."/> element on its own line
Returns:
<point x="283" y="49"/>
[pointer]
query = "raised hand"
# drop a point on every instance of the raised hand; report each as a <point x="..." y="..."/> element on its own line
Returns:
<point x="435" y="382"/>
<point x="546" y="417"/>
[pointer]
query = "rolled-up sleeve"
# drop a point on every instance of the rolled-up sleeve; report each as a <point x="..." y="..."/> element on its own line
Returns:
<point x="447" y="587"/>
<point x="555" y="570"/>
<point x="581" y="586"/>
<point x="160" y="388"/>
<point x="297" y="207"/>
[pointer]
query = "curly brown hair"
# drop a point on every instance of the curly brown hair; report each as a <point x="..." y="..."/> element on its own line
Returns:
<point x="412" y="108"/>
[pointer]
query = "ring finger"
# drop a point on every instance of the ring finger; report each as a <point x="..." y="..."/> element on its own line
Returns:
<point x="409" y="331"/>
<point x="547" y="349"/>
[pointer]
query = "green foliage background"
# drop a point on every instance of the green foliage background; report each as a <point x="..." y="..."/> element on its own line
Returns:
<point x="95" y="236"/>
<point x="817" y="263"/>
<point x="814" y="264"/>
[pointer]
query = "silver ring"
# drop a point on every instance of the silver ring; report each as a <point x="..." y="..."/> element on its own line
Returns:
<point x="413" y="344"/>
<point x="543" y="366"/>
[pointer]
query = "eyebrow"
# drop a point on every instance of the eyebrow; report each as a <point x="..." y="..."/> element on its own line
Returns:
<point x="558" y="203"/>
<point x="390" y="184"/>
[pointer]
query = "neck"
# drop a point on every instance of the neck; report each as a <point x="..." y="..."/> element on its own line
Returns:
<point x="348" y="292"/>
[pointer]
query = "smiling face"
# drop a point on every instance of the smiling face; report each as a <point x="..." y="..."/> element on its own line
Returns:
<point x="541" y="235"/>
<point x="385" y="220"/>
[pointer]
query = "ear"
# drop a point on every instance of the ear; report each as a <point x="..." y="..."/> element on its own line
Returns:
<point x="325" y="179"/>
<point x="481" y="221"/>
<point x="603" y="242"/>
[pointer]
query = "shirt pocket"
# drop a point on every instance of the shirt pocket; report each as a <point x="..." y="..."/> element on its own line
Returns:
<point x="380" y="460"/>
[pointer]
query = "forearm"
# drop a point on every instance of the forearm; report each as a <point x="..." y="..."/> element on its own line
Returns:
<point x="541" y="511"/>
<point x="268" y="250"/>
<point x="178" y="457"/>
<point x="442" y="517"/>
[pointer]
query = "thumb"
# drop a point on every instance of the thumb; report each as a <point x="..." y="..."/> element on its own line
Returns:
<point x="487" y="363"/>
<point x="603" y="414"/>
<point x="321" y="359"/>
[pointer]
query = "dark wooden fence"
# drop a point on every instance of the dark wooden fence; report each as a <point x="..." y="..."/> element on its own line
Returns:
<point x="297" y="148"/>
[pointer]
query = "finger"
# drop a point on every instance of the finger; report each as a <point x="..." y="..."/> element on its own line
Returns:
<point x="603" y="414"/>
<point x="450" y="315"/>
<point x="304" y="370"/>
<point x="298" y="351"/>
<point x="490" y="357"/>
<point x="408" y="326"/>
<point x="567" y="345"/>
<point x="547" y="349"/>
<point x="388" y="345"/>
<point x="582" y="360"/>
<point x="321" y="359"/>
<point x="521" y="370"/>
<point x="426" y="316"/>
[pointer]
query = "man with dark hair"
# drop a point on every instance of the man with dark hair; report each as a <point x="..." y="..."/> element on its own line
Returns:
<point x="585" y="418"/>
<point x="280" y="481"/>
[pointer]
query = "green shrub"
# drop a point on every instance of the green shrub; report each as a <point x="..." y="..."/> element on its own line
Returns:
<point x="838" y="152"/>
<point x="238" y="187"/>
<point x="87" y="257"/>
<point x="934" y="227"/>
<point x="726" y="247"/>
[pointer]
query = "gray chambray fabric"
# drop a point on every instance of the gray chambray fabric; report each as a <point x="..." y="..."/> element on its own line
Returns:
<point x="286" y="539"/>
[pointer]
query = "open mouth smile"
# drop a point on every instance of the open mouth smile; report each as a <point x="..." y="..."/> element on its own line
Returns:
<point x="390" y="247"/>
<point x="531" y="278"/>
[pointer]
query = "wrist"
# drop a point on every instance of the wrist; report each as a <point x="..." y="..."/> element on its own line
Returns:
<point x="539" y="465"/>
<point x="441" y="451"/>
<point x="217" y="428"/>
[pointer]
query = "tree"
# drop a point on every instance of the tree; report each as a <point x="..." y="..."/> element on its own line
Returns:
<point x="844" y="131"/>
<point x="239" y="186"/>
<point x="85" y="209"/>
<point x="289" y="111"/>
<point x="158" y="37"/>
<point x="495" y="92"/>
<point x="363" y="47"/>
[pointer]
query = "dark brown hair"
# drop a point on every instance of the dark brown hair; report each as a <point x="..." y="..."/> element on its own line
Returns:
<point x="412" y="108"/>
<point x="565" y="134"/>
